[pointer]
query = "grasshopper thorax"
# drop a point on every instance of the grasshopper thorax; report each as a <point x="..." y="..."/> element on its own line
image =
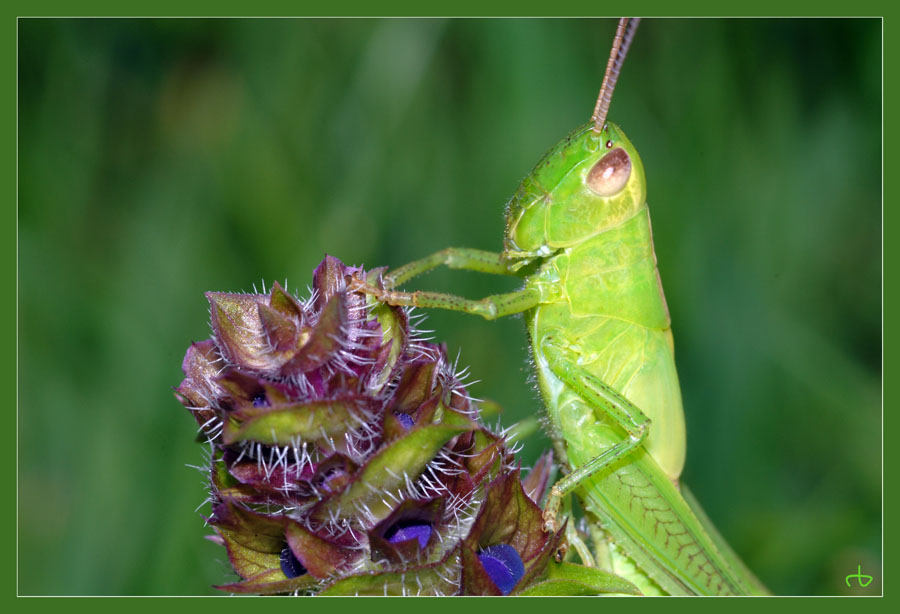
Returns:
<point x="589" y="182"/>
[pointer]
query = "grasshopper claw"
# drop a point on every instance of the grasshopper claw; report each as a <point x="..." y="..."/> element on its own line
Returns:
<point x="550" y="522"/>
<point x="361" y="285"/>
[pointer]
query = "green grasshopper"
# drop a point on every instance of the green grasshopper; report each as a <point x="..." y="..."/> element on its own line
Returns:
<point x="578" y="232"/>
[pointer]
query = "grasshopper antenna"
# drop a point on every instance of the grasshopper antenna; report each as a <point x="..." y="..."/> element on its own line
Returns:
<point x="624" y="34"/>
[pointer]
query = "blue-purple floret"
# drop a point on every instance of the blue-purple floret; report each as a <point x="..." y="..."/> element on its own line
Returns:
<point x="406" y="420"/>
<point x="504" y="566"/>
<point x="291" y="567"/>
<point x="407" y="530"/>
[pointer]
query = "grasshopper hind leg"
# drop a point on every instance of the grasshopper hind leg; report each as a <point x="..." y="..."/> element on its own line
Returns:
<point x="598" y="395"/>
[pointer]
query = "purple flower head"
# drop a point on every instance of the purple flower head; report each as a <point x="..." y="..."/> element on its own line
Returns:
<point x="347" y="457"/>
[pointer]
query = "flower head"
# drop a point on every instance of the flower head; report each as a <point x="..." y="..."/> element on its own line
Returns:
<point x="347" y="455"/>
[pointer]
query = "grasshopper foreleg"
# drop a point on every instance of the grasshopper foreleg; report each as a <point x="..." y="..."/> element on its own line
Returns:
<point x="602" y="397"/>
<point x="454" y="258"/>
<point x="490" y="307"/>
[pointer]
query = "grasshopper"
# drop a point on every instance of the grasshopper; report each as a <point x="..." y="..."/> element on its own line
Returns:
<point x="578" y="233"/>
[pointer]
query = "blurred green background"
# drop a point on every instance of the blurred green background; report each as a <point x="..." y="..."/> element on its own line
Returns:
<point x="159" y="159"/>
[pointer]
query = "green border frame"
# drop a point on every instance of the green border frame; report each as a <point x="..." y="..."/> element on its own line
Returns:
<point x="411" y="8"/>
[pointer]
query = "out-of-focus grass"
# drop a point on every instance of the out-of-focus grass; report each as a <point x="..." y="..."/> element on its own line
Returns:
<point x="160" y="159"/>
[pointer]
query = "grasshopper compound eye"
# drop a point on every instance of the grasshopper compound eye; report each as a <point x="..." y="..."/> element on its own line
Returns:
<point x="609" y="176"/>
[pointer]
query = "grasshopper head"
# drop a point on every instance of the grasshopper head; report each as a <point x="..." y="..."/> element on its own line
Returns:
<point x="589" y="182"/>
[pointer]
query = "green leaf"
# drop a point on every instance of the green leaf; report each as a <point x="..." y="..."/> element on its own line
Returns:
<point x="578" y="580"/>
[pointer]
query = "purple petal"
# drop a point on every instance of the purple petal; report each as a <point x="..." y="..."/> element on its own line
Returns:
<point x="504" y="565"/>
<point x="290" y="565"/>
<point x="407" y="530"/>
<point x="406" y="420"/>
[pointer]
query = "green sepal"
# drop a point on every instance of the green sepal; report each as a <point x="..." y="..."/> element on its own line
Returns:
<point x="328" y="278"/>
<point x="272" y="582"/>
<point x="320" y="557"/>
<point x="537" y="482"/>
<point x="248" y="553"/>
<point x="236" y="325"/>
<point x="484" y="461"/>
<point x="447" y="415"/>
<point x="198" y="389"/>
<point x="226" y="485"/>
<point x="241" y="387"/>
<point x="324" y="339"/>
<point x="255" y="530"/>
<point x="281" y="301"/>
<point x="415" y="387"/>
<point x="577" y="580"/>
<point x="254" y="541"/>
<point x="278" y="425"/>
<point x="429" y="579"/>
<point x="394" y="326"/>
<point x="407" y="455"/>
<point x="281" y="330"/>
